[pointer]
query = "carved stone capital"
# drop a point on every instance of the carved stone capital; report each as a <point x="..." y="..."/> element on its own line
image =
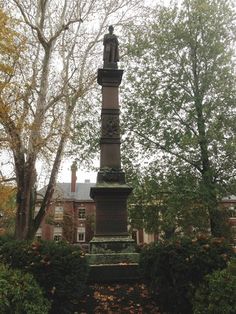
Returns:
<point x="109" y="77"/>
<point x="111" y="176"/>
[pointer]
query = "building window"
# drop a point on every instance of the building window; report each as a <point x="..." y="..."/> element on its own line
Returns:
<point x="38" y="234"/>
<point x="81" y="213"/>
<point x="234" y="232"/>
<point x="232" y="211"/>
<point x="57" y="234"/>
<point x="57" y="237"/>
<point x="135" y="236"/>
<point x="81" y="237"/>
<point x="58" y="215"/>
<point x="81" y="234"/>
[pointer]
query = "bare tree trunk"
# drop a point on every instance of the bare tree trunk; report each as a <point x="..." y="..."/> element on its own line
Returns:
<point x="19" y="199"/>
<point x="33" y="227"/>
<point x="26" y="201"/>
<point x="49" y="192"/>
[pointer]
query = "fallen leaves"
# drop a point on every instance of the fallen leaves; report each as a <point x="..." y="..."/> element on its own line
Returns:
<point x="131" y="298"/>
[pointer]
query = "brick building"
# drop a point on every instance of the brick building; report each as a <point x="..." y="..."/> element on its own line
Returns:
<point x="141" y="236"/>
<point x="230" y="203"/>
<point x="71" y="215"/>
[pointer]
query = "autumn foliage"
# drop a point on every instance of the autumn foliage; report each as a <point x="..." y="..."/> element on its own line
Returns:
<point x="10" y="44"/>
<point x="7" y="208"/>
<point x="130" y="298"/>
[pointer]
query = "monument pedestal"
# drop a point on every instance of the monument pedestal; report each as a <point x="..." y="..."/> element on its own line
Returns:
<point x="113" y="259"/>
<point x="112" y="244"/>
<point x="112" y="251"/>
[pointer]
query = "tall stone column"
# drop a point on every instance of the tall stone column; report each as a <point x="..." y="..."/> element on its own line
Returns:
<point x="111" y="191"/>
<point x="111" y="243"/>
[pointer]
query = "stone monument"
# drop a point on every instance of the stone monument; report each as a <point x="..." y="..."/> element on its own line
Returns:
<point x="112" y="250"/>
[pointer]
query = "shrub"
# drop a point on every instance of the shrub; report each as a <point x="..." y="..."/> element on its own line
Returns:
<point x="217" y="294"/>
<point x="5" y="238"/>
<point x="174" y="269"/>
<point x="59" y="268"/>
<point x="20" y="294"/>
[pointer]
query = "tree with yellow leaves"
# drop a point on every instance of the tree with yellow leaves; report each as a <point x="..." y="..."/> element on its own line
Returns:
<point x="56" y="72"/>
<point x="7" y="208"/>
<point x="9" y="46"/>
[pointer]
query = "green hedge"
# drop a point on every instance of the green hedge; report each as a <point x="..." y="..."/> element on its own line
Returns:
<point x="20" y="294"/>
<point x="217" y="294"/>
<point x="59" y="268"/>
<point x="174" y="269"/>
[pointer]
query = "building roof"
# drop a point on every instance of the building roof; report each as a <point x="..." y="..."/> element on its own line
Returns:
<point x="229" y="199"/>
<point x="63" y="191"/>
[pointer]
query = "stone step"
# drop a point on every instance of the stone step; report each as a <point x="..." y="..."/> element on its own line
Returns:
<point x="112" y="258"/>
<point x="107" y="273"/>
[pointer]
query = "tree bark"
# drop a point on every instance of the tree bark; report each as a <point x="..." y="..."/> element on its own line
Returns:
<point x="26" y="171"/>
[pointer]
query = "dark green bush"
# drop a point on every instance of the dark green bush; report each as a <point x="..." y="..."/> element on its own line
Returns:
<point x="174" y="269"/>
<point x="5" y="238"/>
<point x="59" y="268"/>
<point x="217" y="294"/>
<point x="20" y="294"/>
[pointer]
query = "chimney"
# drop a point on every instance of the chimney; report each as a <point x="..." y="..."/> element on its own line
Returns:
<point x="73" y="176"/>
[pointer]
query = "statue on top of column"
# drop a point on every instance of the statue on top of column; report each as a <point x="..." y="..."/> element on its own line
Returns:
<point x="111" y="51"/>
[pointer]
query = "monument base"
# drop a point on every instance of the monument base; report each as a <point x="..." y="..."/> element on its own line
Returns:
<point x="112" y="244"/>
<point x="113" y="258"/>
<point x="110" y="273"/>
